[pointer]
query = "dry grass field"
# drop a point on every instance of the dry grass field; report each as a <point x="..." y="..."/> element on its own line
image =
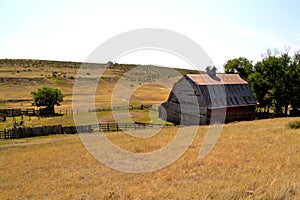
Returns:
<point x="252" y="160"/>
<point x="18" y="78"/>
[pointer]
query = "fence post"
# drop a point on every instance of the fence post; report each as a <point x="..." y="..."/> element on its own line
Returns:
<point x="117" y="127"/>
<point x="107" y="126"/>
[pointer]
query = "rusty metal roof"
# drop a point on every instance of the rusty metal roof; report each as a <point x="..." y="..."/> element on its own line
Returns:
<point x="227" y="95"/>
<point x="224" y="79"/>
<point x="223" y="90"/>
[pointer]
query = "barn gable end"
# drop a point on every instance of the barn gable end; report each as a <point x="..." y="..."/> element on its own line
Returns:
<point x="195" y="97"/>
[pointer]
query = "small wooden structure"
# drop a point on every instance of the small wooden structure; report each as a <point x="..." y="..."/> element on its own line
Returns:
<point x="204" y="98"/>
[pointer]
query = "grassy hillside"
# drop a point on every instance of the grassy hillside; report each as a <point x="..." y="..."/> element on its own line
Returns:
<point x="252" y="160"/>
<point x="20" y="77"/>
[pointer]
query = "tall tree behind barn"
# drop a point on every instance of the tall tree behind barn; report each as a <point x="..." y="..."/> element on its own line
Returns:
<point x="196" y="99"/>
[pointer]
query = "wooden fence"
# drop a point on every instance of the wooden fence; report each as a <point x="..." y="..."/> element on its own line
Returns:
<point x="22" y="132"/>
<point x="113" y="126"/>
<point x="102" y="109"/>
<point x="130" y="107"/>
<point x="13" y="112"/>
<point x="4" y="134"/>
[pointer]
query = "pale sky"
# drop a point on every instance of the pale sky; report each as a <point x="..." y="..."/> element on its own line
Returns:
<point x="70" y="30"/>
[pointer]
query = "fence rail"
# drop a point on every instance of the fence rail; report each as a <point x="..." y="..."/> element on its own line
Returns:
<point x="109" y="127"/>
<point x="14" y="112"/>
<point x="22" y="132"/>
<point x="130" y="107"/>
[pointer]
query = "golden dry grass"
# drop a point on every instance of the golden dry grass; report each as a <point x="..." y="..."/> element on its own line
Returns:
<point x="252" y="160"/>
<point x="18" y="90"/>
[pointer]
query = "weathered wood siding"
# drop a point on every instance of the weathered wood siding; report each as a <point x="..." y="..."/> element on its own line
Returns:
<point x="185" y="104"/>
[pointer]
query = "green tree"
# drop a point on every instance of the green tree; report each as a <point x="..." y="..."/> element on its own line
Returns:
<point x="241" y="66"/>
<point x="275" y="81"/>
<point x="271" y="84"/>
<point x="261" y="90"/>
<point x="294" y="82"/>
<point x="48" y="97"/>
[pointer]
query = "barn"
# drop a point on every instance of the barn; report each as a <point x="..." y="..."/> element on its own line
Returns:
<point x="198" y="99"/>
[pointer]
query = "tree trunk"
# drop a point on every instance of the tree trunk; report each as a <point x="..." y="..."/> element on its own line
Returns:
<point x="278" y="111"/>
<point x="50" y="110"/>
<point x="286" y="107"/>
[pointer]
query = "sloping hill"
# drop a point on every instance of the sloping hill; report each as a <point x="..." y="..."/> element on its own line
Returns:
<point x="19" y="77"/>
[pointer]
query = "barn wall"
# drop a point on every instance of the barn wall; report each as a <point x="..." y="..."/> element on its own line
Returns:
<point x="187" y="92"/>
<point x="185" y="104"/>
<point x="239" y="113"/>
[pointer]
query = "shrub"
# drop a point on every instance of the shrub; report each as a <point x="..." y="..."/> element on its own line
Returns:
<point x="48" y="97"/>
<point x="294" y="124"/>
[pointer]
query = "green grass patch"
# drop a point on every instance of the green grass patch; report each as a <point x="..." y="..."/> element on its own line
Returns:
<point x="57" y="81"/>
<point x="294" y="124"/>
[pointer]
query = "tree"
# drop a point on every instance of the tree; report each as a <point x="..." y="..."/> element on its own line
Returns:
<point x="274" y="80"/>
<point x="241" y="66"/>
<point x="295" y="85"/>
<point x="271" y="84"/>
<point x="48" y="97"/>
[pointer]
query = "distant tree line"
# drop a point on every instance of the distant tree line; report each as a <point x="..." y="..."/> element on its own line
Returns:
<point x="275" y="81"/>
